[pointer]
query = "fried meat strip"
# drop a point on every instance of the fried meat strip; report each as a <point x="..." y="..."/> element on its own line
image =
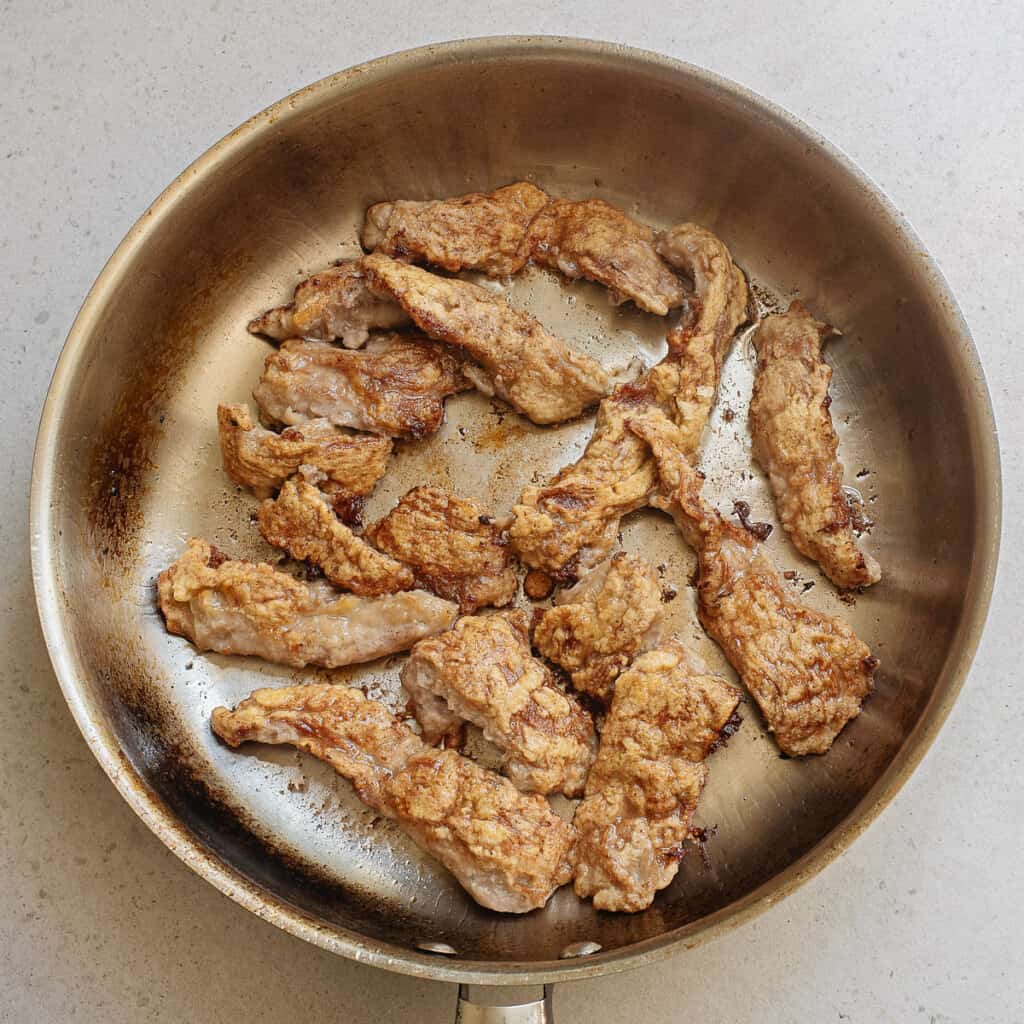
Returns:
<point x="684" y="385"/>
<point x="235" y="607"/>
<point x="350" y="464"/>
<point x="796" y="445"/>
<point x="596" y="240"/>
<point x="598" y="626"/>
<point x="482" y="672"/>
<point x="300" y="521"/>
<point x="669" y="713"/>
<point x="453" y="549"/>
<point x="508" y="849"/>
<point x="514" y="357"/>
<point x="808" y="672"/>
<point x="395" y="386"/>
<point x="335" y="303"/>
<point x="571" y="523"/>
<point x="479" y="231"/>
<point x="497" y="232"/>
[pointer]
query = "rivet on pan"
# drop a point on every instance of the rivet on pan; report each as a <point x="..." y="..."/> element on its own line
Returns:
<point x="429" y="946"/>
<point x="579" y="949"/>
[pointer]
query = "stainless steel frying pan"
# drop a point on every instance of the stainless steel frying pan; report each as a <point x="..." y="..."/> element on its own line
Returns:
<point x="127" y="466"/>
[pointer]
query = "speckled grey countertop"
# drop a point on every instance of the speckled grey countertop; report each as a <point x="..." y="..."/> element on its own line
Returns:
<point x="102" y="104"/>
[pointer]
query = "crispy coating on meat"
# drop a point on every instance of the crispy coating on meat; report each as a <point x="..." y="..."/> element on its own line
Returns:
<point x="479" y="231"/>
<point x="596" y="240"/>
<point x="482" y="672"/>
<point x="797" y="446"/>
<point x="497" y="232"/>
<point x="684" y="384"/>
<point x="808" y="672"/>
<point x="668" y="714"/>
<point x="571" y="523"/>
<point x="514" y="357"/>
<point x="300" y="521"/>
<point x="257" y="458"/>
<point x="236" y="607"/>
<point x="452" y="547"/>
<point x="395" y="386"/>
<point x="598" y="626"/>
<point x="335" y="303"/>
<point x="508" y="849"/>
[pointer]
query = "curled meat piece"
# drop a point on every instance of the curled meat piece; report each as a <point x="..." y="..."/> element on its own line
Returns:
<point x="508" y="849"/>
<point x="684" y="385"/>
<point x="498" y="232"/>
<point x="570" y="524"/>
<point x="335" y="303"/>
<point x="808" y="671"/>
<point x="348" y="465"/>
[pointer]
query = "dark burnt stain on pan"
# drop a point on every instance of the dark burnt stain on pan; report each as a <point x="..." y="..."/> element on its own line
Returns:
<point x="122" y="455"/>
<point x="165" y="764"/>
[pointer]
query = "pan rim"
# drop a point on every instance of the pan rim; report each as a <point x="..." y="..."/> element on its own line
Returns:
<point x="188" y="847"/>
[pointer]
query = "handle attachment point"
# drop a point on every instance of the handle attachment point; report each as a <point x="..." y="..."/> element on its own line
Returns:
<point x="504" y="1004"/>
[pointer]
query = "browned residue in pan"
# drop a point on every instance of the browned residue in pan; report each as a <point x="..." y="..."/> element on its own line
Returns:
<point x="505" y="430"/>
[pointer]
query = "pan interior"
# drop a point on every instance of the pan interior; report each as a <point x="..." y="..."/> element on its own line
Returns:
<point x="137" y="463"/>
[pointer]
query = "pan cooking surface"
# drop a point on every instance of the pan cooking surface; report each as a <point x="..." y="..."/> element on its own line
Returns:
<point x="133" y="468"/>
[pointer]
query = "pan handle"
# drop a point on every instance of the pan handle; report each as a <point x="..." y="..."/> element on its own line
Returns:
<point x="492" y="1004"/>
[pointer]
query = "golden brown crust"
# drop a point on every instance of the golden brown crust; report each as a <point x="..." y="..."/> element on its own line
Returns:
<point x="478" y="231"/>
<point x="508" y="849"/>
<point x="497" y="232"/>
<point x="236" y="607"/>
<point x="684" y="384"/>
<point x="300" y="521"/>
<point x="271" y="593"/>
<point x="335" y="303"/>
<point x="396" y="386"/>
<point x="668" y="714"/>
<point x="597" y="627"/>
<point x="452" y="547"/>
<point x="482" y="671"/>
<point x="596" y="240"/>
<point x="571" y="523"/>
<point x="808" y="672"/>
<point x="257" y="458"/>
<point x="514" y="356"/>
<point x="796" y="445"/>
